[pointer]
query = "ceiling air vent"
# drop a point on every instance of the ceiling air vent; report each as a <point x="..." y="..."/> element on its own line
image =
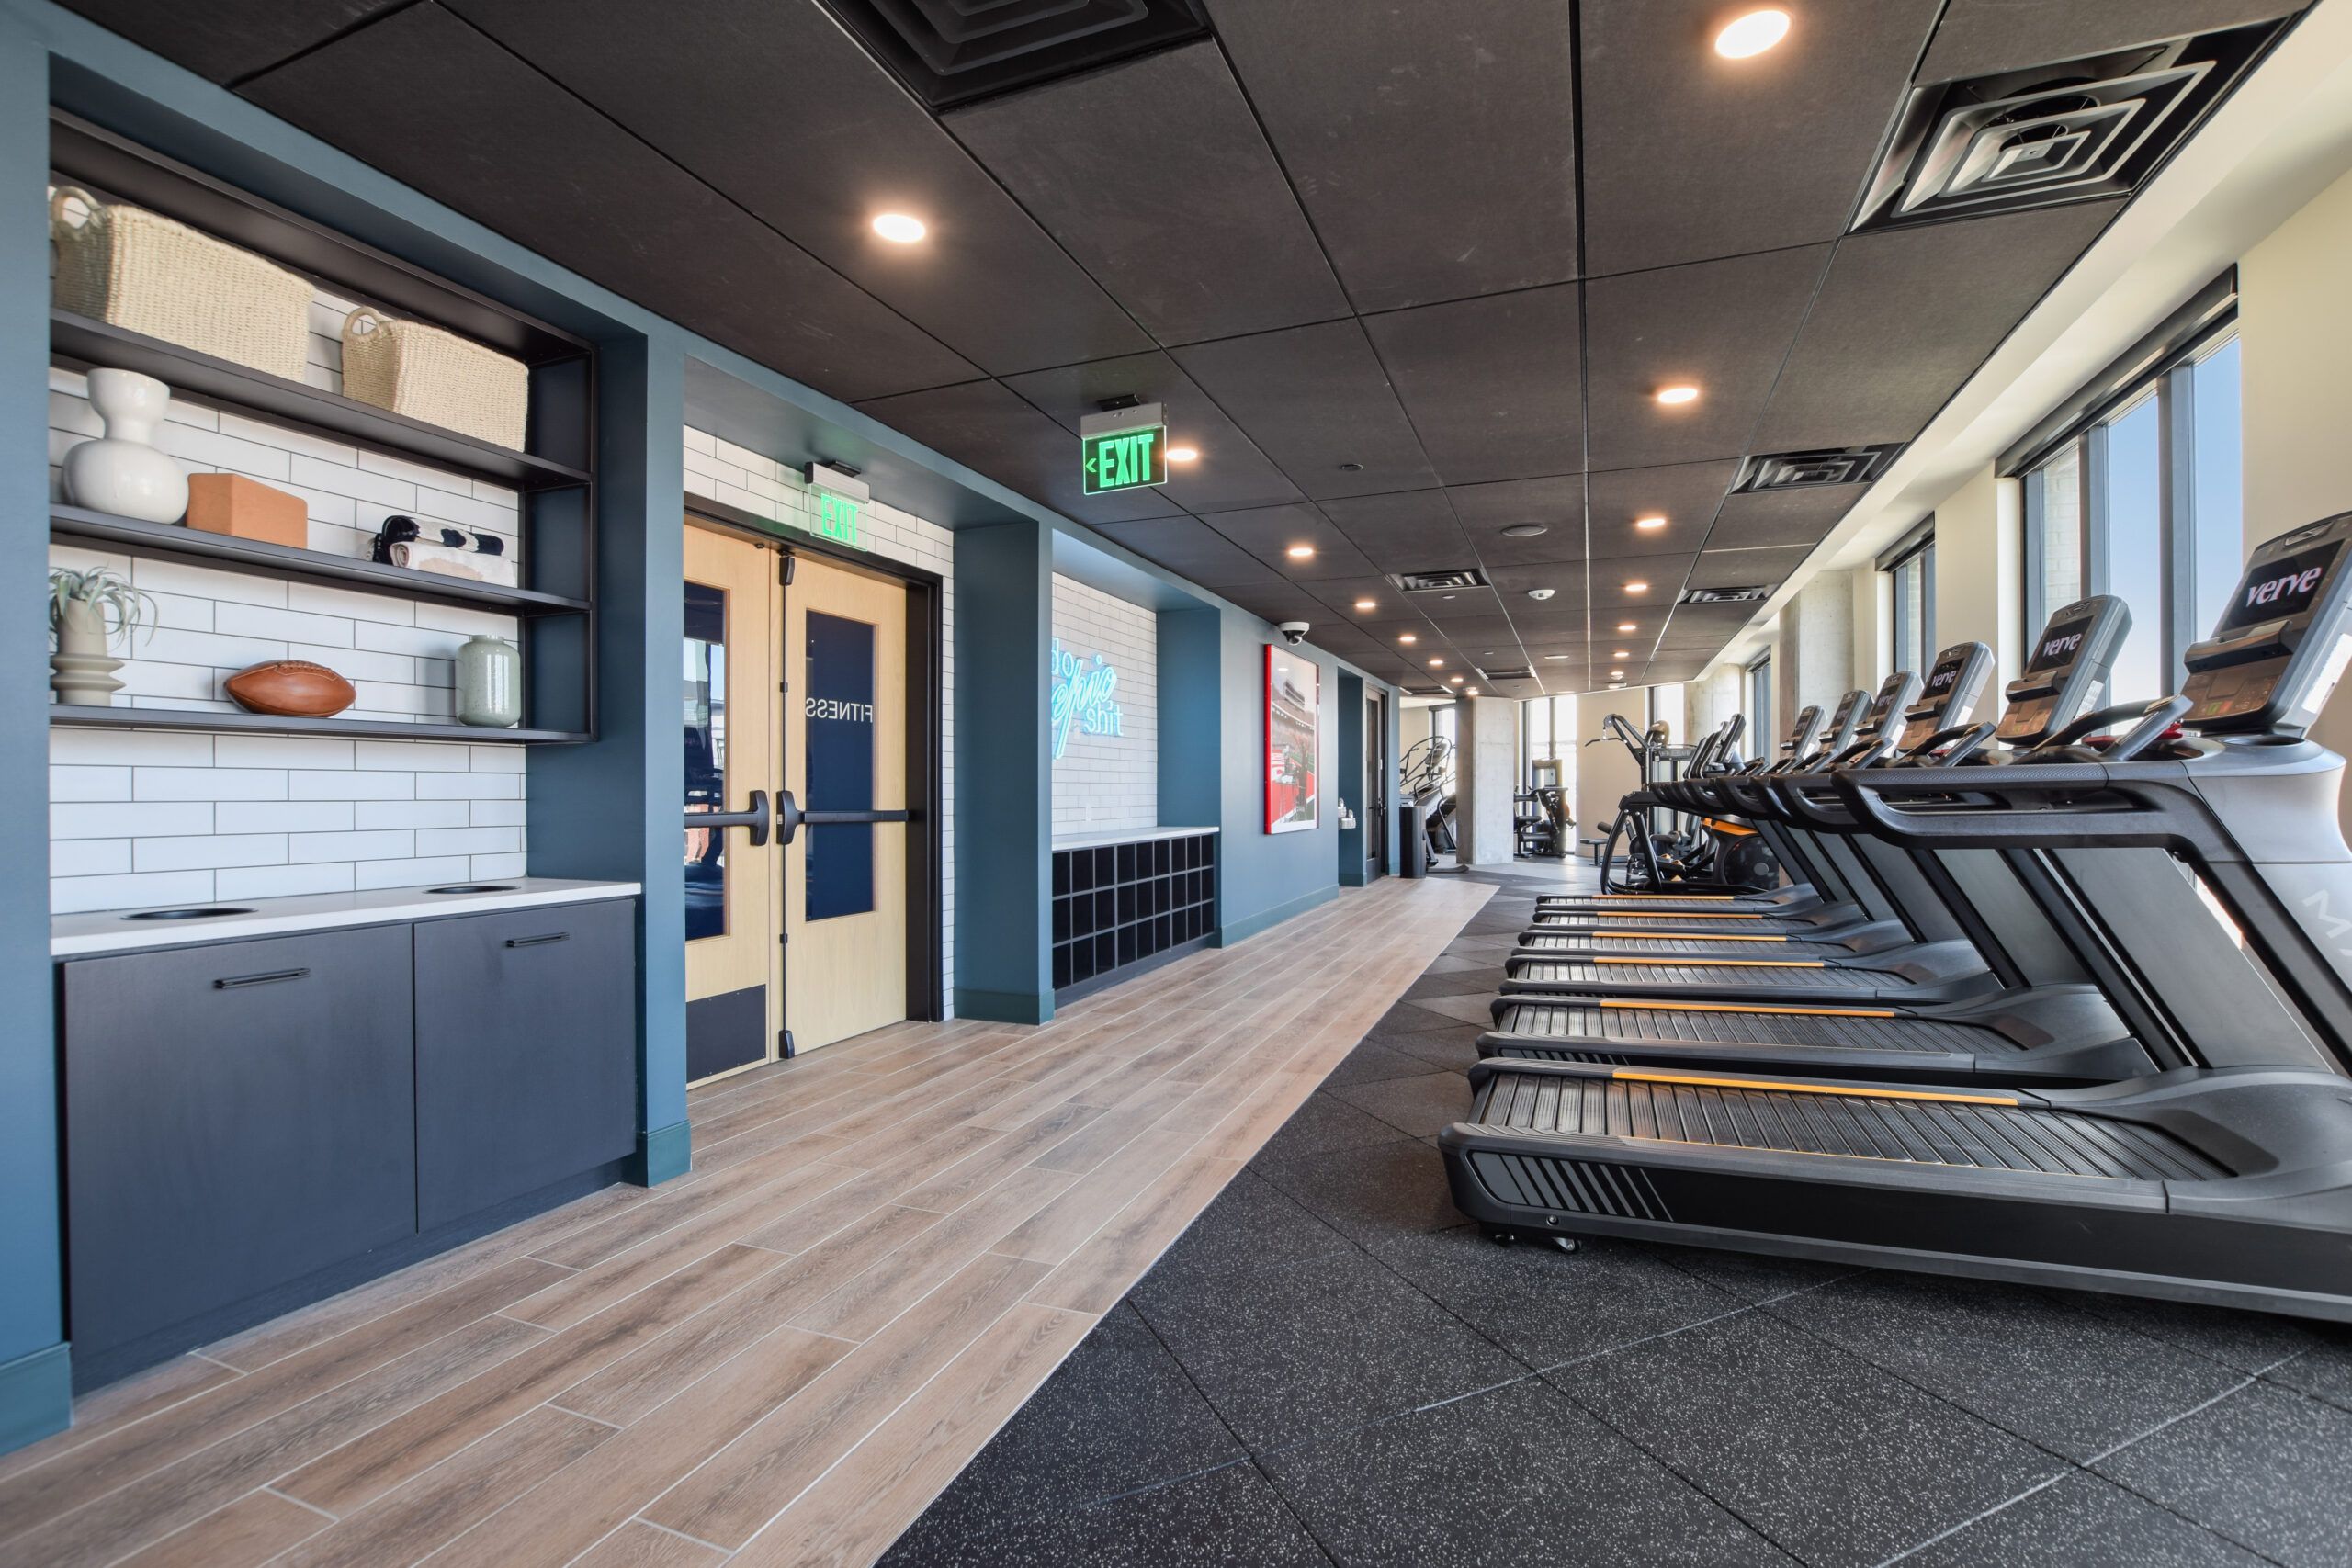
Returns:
<point x="1449" y="581"/>
<point x="1521" y="674"/>
<point x="2071" y="131"/>
<point x="1725" y="595"/>
<point x="953" y="51"/>
<point x="1811" y="471"/>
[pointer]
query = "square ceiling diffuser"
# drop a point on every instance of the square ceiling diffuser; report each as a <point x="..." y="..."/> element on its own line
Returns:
<point x="954" y="51"/>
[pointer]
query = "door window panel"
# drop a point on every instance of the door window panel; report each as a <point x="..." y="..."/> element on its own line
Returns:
<point x="705" y="733"/>
<point x="837" y="733"/>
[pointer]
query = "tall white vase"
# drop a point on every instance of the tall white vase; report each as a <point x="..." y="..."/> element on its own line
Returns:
<point x="85" y="669"/>
<point x="122" y="472"/>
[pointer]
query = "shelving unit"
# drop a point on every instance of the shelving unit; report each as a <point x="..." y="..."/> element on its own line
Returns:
<point x="1118" y="907"/>
<point x="555" y="479"/>
<point x="65" y="717"/>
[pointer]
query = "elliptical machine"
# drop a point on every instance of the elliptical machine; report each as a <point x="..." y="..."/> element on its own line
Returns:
<point x="1652" y="847"/>
<point x="1426" y="781"/>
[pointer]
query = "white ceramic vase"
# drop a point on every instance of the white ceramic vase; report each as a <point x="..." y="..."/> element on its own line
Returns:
<point x="490" y="683"/>
<point x="84" y="670"/>
<point x="121" y="472"/>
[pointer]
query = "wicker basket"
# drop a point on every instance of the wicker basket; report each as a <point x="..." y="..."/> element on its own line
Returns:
<point x="436" y="377"/>
<point x="141" y="271"/>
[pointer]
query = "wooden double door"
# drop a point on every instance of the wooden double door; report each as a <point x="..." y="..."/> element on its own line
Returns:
<point x="797" y="827"/>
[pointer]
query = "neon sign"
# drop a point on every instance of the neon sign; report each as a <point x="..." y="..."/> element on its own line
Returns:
<point x="1081" y="695"/>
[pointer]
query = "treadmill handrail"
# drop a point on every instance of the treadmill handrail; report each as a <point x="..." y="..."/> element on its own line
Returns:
<point x="1965" y="740"/>
<point x="2155" y="806"/>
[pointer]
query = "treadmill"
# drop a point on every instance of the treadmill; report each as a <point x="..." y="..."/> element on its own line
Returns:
<point x="1930" y="956"/>
<point x="1818" y="885"/>
<point x="2226" y="1179"/>
<point x="2061" y="1032"/>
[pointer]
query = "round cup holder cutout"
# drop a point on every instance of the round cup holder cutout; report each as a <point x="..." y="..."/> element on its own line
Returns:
<point x="204" y="912"/>
<point x="475" y="887"/>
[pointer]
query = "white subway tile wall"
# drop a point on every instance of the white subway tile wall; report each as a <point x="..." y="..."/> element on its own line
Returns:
<point x="720" y="471"/>
<point x="1110" y="783"/>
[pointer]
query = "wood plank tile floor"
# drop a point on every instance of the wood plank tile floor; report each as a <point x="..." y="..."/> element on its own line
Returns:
<point x="778" y="1358"/>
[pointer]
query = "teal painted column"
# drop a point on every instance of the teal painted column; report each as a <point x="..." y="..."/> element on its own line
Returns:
<point x="36" y="1375"/>
<point x="1004" y="611"/>
<point x="1346" y="771"/>
<point x="611" y="809"/>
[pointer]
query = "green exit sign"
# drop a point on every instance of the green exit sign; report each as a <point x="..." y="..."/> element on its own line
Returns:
<point x="1124" y="459"/>
<point x="836" y="517"/>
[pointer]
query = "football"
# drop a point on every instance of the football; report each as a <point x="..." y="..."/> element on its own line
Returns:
<point x="291" y="688"/>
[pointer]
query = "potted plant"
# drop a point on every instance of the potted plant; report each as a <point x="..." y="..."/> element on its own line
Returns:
<point x="79" y="604"/>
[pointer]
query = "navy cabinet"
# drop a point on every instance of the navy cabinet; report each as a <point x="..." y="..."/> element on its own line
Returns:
<point x="237" y="1116"/>
<point x="525" y="1052"/>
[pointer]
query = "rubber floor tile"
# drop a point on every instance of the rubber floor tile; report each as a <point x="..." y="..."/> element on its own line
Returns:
<point x="1370" y="1062"/>
<point x="2082" y="1522"/>
<point x="1223" y="1520"/>
<point x="2045" y="1369"/>
<point x="1321" y="1345"/>
<point x="1515" y="1478"/>
<point x="1838" y="1463"/>
<point x="1395" y="1188"/>
<point x="1250" y="1226"/>
<point x="2263" y="1467"/>
<point x="1324" y="1122"/>
<point x="1416" y="1107"/>
<point x="1546" y="1307"/>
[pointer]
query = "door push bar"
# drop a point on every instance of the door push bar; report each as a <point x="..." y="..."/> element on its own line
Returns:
<point x="789" y="818"/>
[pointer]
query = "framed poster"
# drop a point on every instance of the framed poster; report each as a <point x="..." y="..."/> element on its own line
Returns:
<point x="1292" y="705"/>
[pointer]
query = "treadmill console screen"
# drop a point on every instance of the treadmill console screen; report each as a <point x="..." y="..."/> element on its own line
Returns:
<point x="1894" y="692"/>
<point x="1951" y="692"/>
<point x="1847" y="720"/>
<point x="2067" y="664"/>
<point x="2284" y="640"/>
<point x="1803" y="732"/>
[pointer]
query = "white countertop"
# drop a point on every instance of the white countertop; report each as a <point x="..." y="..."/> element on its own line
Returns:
<point x="107" y="931"/>
<point x="1123" y="836"/>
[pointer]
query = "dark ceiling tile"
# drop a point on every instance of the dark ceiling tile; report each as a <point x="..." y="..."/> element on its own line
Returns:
<point x="1906" y="315"/>
<point x="1192" y="550"/>
<point x="818" y="166"/>
<point x="1664" y="574"/>
<point x="225" y="40"/>
<point x="1155" y="176"/>
<point x="1270" y="532"/>
<point x="1459" y="605"/>
<point x="1686" y="494"/>
<point x="1689" y="155"/>
<point x="431" y="102"/>
<point x="1555" y="505"/>
<point x="1761" y="519"/>
<point x="986" y="427"/>
<point x="1744" y="568"/>
<point x="1433" y="144"/>
<point x="1494" y="385"/>
<point x="1390" y="608"/>
<point x="1721" y="326"/>
<point x="1981" y="38"/>
<point x="1314" y="397"/>
<point x="1564" y="578"/>
<point x="1404" y="531"/>
<point x="1230" y="472"/>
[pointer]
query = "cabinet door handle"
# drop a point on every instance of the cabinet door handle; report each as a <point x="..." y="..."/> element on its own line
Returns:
<point x="237" y="982"/>
<point x="539" y="941"/>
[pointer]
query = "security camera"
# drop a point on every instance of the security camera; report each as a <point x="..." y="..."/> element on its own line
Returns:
<point x="1293" y="632"/>
<point x="1540" y="593"/>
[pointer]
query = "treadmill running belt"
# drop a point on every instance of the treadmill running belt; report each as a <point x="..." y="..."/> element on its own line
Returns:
<point x="1704" y="1027"/>
<point x="1917" y="1131"/>
<point x="1697" y="947"/>
<point x="1757" y="977"/>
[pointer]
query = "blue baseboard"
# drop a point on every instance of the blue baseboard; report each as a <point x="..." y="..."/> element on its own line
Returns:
<point x="36" y="1396"/>
<point x="1242" y="929"/>
<point x="1003" y="1007"/>
<point x="662" y="1153"/>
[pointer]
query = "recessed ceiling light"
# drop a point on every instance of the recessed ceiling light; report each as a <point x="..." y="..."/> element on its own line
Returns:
<point x="1407" y="637"/>
<point x="1621" y="653"/>
<point x="1366" y="604"/>
<point x="1453" y="680"/>
<point x="1675" y="396"/>
<point x="1183" y="454"/>
<point x="1616" y="674"/>
<point x="1524" y="530"/>
<point x="900" y="228"/>
<point x="1469" y="691"/>
<point x="1628" y="626"/>
<point x="1746" y="37"/>
<point x="1301" y="552"/>
<point x="1556" y="656"/>
<point x="1637" y="587"/>
<point x="1644" y="522"/>
<point x="1437" y="663"/>
<point x="1351" y="467"/>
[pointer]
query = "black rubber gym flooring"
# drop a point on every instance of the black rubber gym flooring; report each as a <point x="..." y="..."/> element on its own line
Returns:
<point x="1331" y="1366"/>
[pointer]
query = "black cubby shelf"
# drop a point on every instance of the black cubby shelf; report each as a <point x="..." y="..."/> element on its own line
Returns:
<point x="79" y="343"/>
<point x="178" y="542"/>
<point x="1119" y="907"/>
<point x="64" y="715"/>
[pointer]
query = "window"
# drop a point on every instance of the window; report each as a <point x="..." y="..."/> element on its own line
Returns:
<point x="1759" y="705"/>
<point x="1910" y="571"/>
<point x="2139" y="497"/>
<point x="1666" y="704"/>
<point x="1547" y="733"/>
